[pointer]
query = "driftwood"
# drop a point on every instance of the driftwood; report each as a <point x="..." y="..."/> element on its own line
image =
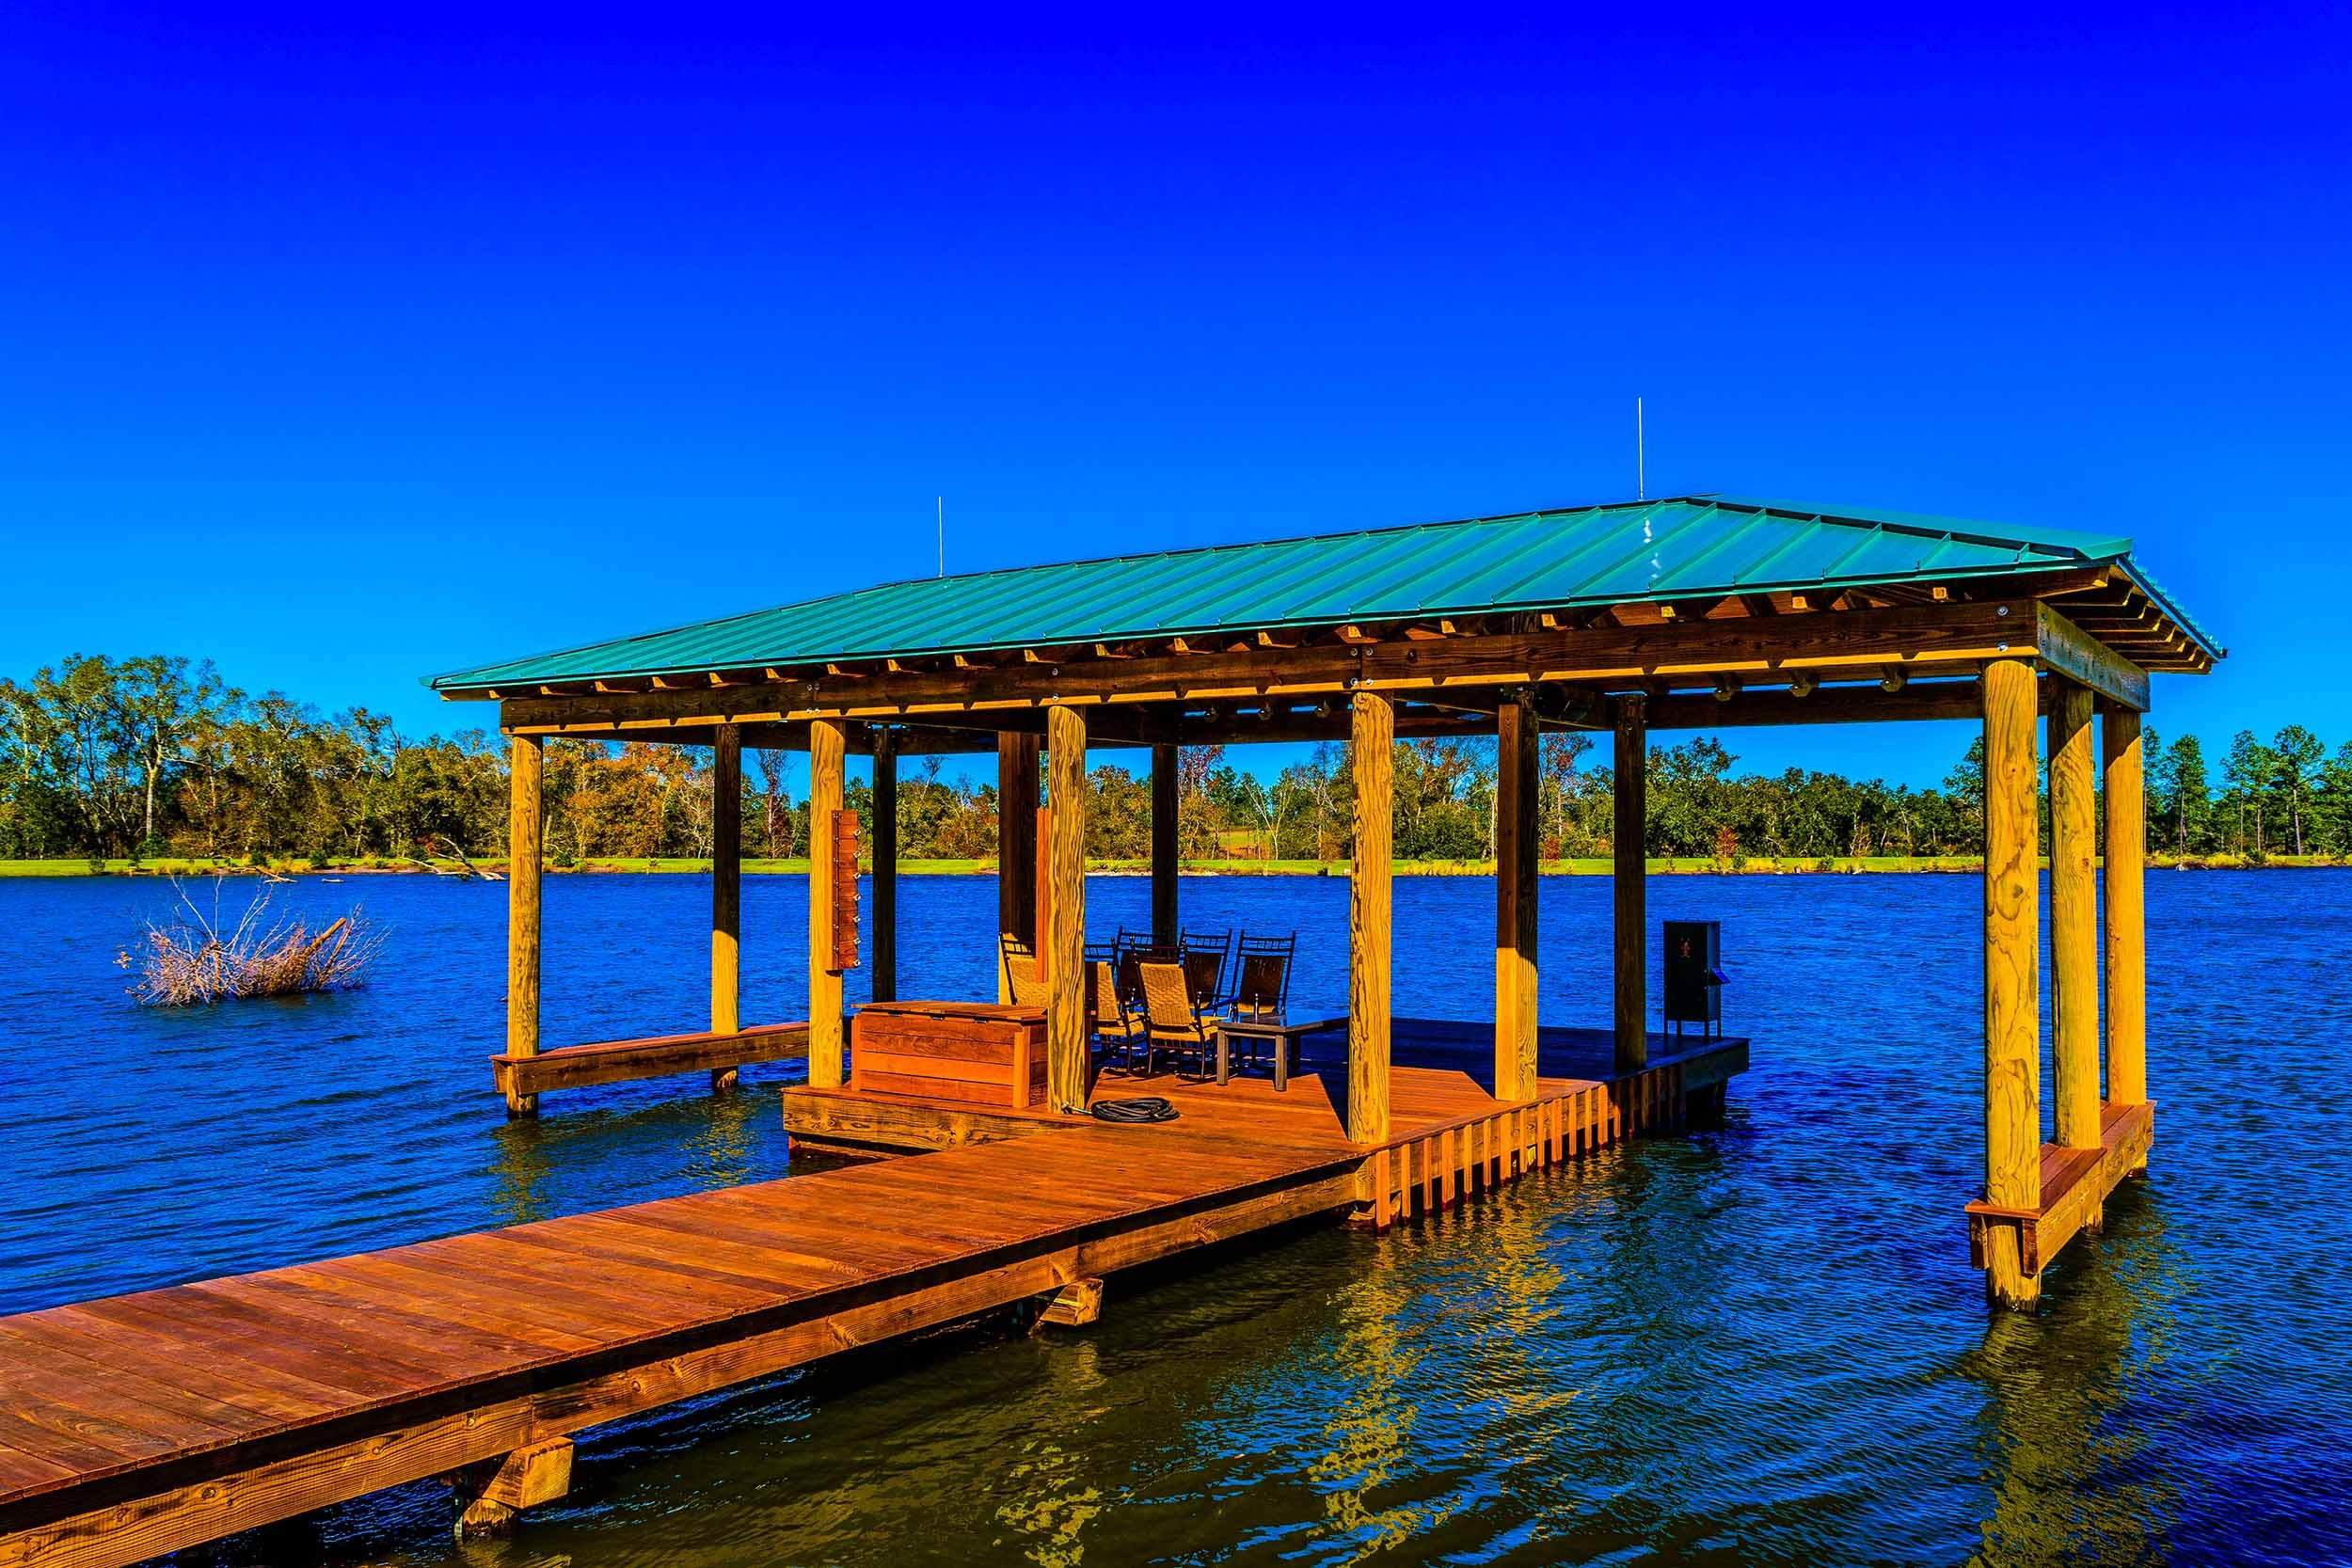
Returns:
<point x="196" y="960"/>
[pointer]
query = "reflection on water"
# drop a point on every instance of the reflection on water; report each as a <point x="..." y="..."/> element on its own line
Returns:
<point x="2069" y="1480"/>
<point x="1761" y="1343"/>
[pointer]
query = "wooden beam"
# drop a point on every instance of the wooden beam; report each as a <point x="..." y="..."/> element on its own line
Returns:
<point x="2126" y="939"/>
<point x="1016" y="849"/>
<point x="726" y="891"/>
<point x="2073" y="652"/>
<point x="2074" y="919"/>
<point x="1517" y="894"/>
<point x="884" y="971"/>
<point x="825" y="780"/>
<point x="1923" y="639"/>
<point x="1165" y="842"/>
<point x="523" y="818"/>
<point x="2012" y="974"/>
<point x="1823" y="704"/>
<point x="1369" y="918"/>
<point x="1066" y="982"/>
<point x="1629" y="836"/>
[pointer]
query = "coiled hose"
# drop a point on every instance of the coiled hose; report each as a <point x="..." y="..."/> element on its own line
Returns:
<point x="1151" y="1108"/>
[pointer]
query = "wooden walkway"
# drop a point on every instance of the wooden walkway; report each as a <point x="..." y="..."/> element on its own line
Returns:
<point x="142" y="1423"/>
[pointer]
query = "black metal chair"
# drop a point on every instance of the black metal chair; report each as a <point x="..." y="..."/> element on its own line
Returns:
<point x="1206" y="956"/>
<point x="1261" y="980"/>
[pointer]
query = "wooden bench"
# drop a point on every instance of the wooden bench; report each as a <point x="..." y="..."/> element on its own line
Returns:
<point x="2075" y="1185"/>
<point x="578" y="1067"/>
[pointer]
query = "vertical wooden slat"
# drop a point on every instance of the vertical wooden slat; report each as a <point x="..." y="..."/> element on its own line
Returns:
<point x="1066" y="1012"/>
<point x="884" y="971"/>
<point x="1016" y="848"/>
<point x="2126" y="891"/>
<point x="1517" y="896"/>
<point x="1631" y="783"/>
<point x="2012" y="977"/>
<point x="827" y="750"/>
<point x="1164" y="842"/>
<point x="727" y="890"/>
<point x="524" y="813"/>
<point x="1373" y="732"/>
<point x="2074" y="919"/>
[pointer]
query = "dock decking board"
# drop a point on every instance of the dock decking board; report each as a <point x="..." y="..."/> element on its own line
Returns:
<point x="139" y="1423"/>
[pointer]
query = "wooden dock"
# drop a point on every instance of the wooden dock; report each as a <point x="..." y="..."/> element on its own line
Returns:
<point x="142" y="1423"/>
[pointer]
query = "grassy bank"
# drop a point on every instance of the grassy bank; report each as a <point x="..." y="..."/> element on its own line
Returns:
<point x="1753" y="865"/>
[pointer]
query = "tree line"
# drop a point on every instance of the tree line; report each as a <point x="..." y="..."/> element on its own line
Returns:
<point x="157" y="756"/>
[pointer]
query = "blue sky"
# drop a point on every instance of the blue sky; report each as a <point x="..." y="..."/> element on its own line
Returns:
<point x="344" y="350"/>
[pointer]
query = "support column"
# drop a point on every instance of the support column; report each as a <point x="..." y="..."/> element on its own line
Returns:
<point x="1065" y="944"/>
<point x="1165" y="841"/>
<point x="726" y="891"/>
<point x="1372" y="732"/>
<point x="1628" y="837"/>
<point x="2013" y="976"/>
<point x="827" y="747"/>
<point x="1516" y="900"/>
<point x="883" y="969"/>
<point x="2074" y="919"/>
<point x="2126" y="937"/>
<point x="524" y="812"/>
<point x="1016" y="848"/>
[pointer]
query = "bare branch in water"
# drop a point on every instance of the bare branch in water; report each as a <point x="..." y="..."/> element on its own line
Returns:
<point x="195" y="959"/>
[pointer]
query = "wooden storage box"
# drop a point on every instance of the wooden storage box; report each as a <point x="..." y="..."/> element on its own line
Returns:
<point x="975" y="1052"/>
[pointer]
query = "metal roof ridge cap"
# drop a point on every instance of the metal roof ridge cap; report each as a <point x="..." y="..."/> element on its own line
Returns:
<point x="2086" y="545"/>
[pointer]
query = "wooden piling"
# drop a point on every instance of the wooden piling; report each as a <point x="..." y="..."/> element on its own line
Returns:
<point x="2126" y="930"/>
<point x="827" y="750"/>
<point x="1632" y="787"/>
<point x="2012" y="974"/>
<point x="1166" y="837"/>
<point x="1066" y="980"/>
<point x="2074" y="919"/>
<point x="1516" y="890"/>
<point x="727" y="890"/>
<point x="882" y="969"/>
<point x="524" y="812"/>
<point x="1372" y="732"/>
<point x="1016" y="848"/>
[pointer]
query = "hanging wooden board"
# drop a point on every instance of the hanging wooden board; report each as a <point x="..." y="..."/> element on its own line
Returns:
<point x="845" y="888"/>
<point x="1043" y="943"/>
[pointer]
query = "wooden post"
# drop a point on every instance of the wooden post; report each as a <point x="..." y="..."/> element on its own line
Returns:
<point x="1066" y="980"/>
<point x="1629" y="836"/>
<point x="883" y="971"/>
<point x="2074" y="919"/>
<point x="1516" y="899"/>
<point x="1164" y="840"/>
<point x="2013" y="976"/>
<point x="522" y="910"/>
<point x="2126" y="933"/>
<point x="726" y="891"/>
<point x="1372" y="732"/>
<point x="826" y="749"/>
<point x="1016" y="848"/>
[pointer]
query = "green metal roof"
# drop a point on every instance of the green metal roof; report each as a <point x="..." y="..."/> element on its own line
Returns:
<point x="1692" y="546"/>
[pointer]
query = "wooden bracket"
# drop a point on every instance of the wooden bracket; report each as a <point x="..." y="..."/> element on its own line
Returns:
<point x="490" y="1494"/>
<point x="1075" y="1304"/>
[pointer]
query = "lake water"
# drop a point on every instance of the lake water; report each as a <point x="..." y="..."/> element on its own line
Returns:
<point x="1762" y="1344"/>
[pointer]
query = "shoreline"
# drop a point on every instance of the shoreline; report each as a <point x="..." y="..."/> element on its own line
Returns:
<point x="1599" y="867"/>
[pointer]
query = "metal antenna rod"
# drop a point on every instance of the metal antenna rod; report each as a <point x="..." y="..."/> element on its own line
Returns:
<point x="942" y="536"/>
<point x="1641" y="465"/>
